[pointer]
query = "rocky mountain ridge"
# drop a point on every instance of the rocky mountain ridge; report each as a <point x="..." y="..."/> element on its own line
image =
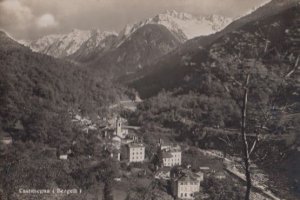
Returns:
<point x="64" y="45"/>
<point x="81" y="43"/>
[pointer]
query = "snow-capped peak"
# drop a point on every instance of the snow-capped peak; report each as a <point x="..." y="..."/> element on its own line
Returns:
<point x="175" y="14"/>
<point x="190" y="25"/>
<point x="63" y="45"/>
<point x="99" y="40"/>
<point x="98" y="35"/>
<point x="185" y="26"/>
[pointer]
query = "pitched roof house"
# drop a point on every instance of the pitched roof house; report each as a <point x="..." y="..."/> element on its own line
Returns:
<point x="186" y="183"/>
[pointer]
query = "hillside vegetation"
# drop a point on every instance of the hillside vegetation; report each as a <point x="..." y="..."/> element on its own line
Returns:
<point x="39" y="95"/>
<point x="35" y="88"/>
<point x="200" y="88"/>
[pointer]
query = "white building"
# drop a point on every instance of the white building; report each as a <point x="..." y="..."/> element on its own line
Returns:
<point x="171" y="157"/>
<point x="171" y="154"/>
<point x="64" y="154"/>
<point x="63" y="157"/>
<point x="186" y="184"/>
<point x="136" y="152"/>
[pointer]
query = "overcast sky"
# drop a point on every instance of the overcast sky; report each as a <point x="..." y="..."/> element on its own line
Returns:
<point x="28" y="19"/>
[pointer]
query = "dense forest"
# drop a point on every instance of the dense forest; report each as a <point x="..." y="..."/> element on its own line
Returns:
<point x="199" y="99"/>
<point x="205" y="89"/>
<point x="39" y="95"/>
<point x="36" y="89"/>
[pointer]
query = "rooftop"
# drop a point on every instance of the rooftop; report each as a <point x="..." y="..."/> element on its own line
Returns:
<point x="186" y="175"/>
<point x="135" y="145"/>
<point x="116" y="138"/>
<point x="131" y="127"/>
<point x="170" y="147"/>
<point x="187" y="178"/>
<point x="166" y="154"/>
<point x="204" y="168"/>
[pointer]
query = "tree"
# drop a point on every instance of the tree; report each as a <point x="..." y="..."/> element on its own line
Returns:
<point x="220" y="189"/>
<point x="264" y="95"/>
<point x="107" y="171"/>
<point x="246" y="151"/>
<point x="259" y="110"/>
<point x="158" y="159"/>
<point x="107" y="191"/>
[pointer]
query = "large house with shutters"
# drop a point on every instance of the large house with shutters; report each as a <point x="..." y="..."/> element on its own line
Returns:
<point x="136" y="152"/>
<point x="171" y="154"/>
<point x="185" y="184"/>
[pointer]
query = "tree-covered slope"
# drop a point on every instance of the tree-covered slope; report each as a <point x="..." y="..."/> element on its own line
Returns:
<point x="38" y="97"/>
<point x="172" y="70"/>
<point x="207" y="80"/>
<point x="197" y="92"/>
<point x="36" y="89"/>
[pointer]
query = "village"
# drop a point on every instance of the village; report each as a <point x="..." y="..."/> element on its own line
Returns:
<point x="181" y="172"/>
<point x="124" y="144"/>
<point x="179" y="167"/>
<point x="183" y="181"/>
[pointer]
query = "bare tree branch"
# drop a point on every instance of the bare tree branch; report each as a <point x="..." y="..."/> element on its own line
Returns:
<point x="294" y="68"/>
<point x="253" y="146"/>
<point x="245" y="141"/>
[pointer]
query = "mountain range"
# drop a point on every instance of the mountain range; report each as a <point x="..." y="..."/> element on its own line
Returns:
<point x="183" y="25"/>
<point x="81" y="43"/>
<point x="109" y="49"/>
<point x="193" y="53"/>
<point x="64" y="45"/>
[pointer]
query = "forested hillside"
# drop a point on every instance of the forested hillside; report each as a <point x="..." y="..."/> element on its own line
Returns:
<point x="197" y="93"/>
<point x="39" y="95"/>
<point x="37" y="89"/>
<point x="267" y="50"/>
<point x="188" y="58"/>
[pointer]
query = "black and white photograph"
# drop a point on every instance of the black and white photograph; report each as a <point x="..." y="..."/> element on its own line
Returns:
<point x="149" y="99"/>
